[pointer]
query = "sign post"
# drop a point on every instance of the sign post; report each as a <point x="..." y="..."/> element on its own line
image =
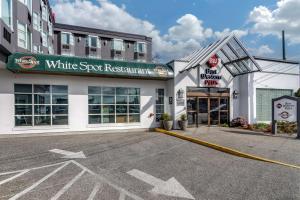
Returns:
<point x="286" y="108"/>
<point x="298" y="119"/>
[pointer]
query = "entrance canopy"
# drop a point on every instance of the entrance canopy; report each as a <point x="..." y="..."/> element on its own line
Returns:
<point x="233" y="55"/>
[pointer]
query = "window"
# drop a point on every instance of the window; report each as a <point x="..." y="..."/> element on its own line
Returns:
<point x="160" y="103"/>
<point x="44" y="12"/>
<point x="93" y="41"/>
<point x="28" y="3"/>
<point x="67" y="39"/>
<point x="41" y="105"/>
<point x="44" y="39"/>
<point x="50" y="27"/>
<point x="6" y="12"/>
<point x="29" y="40"/>
<point x="264" y="102"/>
<point x="140" y="47"/>
<point x="51" y="51"/>
<point x="117" y="45"/>
<point x="36" y="21"/>
<point x="22" y="35"/>
<point x="35" y="49"/>
<point x="113" y="105"/>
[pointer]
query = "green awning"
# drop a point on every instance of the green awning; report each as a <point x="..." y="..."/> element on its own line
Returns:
<point x="54" y="64"/>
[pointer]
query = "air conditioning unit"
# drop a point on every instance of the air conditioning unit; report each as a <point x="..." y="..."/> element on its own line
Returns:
<point x="118" y="52"/>
<point x="93" y="49"/>
<point x="66" y="46"/>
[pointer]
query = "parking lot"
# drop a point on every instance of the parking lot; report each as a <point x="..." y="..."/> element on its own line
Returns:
<point x="138" y="165"/>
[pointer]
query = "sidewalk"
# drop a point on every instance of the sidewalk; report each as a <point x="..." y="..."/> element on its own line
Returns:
<point x="279" y="147"/>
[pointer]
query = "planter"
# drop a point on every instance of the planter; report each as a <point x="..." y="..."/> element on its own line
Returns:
<point x="183" y="124"/>
<point x="168" y="125"/>
<point x="161" y="124"/>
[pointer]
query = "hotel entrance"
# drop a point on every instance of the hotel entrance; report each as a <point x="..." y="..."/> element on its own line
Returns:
<point x="207" y="106"/>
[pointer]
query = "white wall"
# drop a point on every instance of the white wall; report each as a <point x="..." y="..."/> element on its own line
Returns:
<point x="189" y="79"/>
<point x="78" y="100"/>
<point x="274" y="75"/>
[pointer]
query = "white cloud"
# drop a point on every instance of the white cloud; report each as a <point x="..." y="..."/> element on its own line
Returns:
<point x="238" y="33"/>
<point x="182" y="38"/>
<point x="286" y="16"/>
<point x="263" y="50"/>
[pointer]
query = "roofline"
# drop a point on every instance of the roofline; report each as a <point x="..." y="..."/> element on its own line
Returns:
<point x="276" y="60"/>
<point x="50" y="10"/>
<point x="59" y="26"/>
<point x="176" y="60"/>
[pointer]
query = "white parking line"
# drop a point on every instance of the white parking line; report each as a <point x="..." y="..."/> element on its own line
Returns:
<point x="100" y="180"/>
<point x="38" y="182"/>
<point x="67" y="186"/>
<point x="14" y="177"/>
<point x="103" y="179"/>
<point x="94" y="192"/>
<point x="45" y="166"/>
<point x="122" y="196"/>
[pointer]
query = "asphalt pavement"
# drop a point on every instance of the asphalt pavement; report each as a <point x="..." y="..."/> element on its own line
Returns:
<point x="137" y="165"/>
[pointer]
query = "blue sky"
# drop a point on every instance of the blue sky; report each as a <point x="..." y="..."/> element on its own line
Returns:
<point x="212" y="15"/>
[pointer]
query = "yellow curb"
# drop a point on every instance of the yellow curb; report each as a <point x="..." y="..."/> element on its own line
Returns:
<point x="224" y="149"/>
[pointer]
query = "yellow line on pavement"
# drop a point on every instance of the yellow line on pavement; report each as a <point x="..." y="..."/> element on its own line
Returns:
<point x="224" y="149"/>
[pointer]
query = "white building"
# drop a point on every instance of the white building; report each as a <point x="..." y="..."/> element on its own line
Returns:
<point x="46" y="93"/>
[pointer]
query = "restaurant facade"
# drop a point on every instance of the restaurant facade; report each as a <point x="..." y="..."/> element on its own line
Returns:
<point x="63" y="78"/>
<point x="54" y="93"/>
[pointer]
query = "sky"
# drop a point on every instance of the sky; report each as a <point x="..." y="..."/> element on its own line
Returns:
<point x="179" y="27"/>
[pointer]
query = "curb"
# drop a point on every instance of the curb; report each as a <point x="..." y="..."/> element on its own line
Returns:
<point x="224" y="149"/>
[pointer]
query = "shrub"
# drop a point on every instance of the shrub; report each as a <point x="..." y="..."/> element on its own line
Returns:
<point x="183" y="117"/>
<point x="239" y="122"/>
<point x="224" y="125"/>
<point x="297" y="94"/>
<point x="166" y="117"/>
<point x="260" y="127"/>
<point x="287" y="127"/>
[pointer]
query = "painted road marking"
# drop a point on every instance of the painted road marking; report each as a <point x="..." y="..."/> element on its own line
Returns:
<point x="14" y="177"/>
<point x="94" y="191"/>
<point x="99" y="181"/>
<point x="122" y="196"/>
<point x="39" y="182"/>
<point x="103" y="179"/>
<point x="170" y="187"/>
<point x="68" y="185"/>
<point x="224" y="149"/>
<point x="68" y="154"/>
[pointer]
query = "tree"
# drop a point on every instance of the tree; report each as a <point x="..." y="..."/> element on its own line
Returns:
<point x="297" y="94"/>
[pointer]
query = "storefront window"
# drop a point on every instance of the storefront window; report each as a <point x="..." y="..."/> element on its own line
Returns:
<point x="160" y="98"/>
<point x="41" y="105"/>
<point x="113" y="105"/>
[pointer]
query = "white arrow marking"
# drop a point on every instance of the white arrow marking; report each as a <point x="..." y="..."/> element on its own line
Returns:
<point x="170" y="187"/>
<point x="69" y="154"/>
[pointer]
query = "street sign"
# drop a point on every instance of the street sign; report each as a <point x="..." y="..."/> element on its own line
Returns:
<point x="286" y="108"/>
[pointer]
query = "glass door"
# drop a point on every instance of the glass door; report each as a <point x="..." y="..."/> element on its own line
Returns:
<point x="214" y="108"/>
<point x="203" y="111"/>
<point x="191" y="111"/>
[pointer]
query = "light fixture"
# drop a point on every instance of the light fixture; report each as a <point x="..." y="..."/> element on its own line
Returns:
<point x="180" y="93"/>
<point x="235" y="94"/>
